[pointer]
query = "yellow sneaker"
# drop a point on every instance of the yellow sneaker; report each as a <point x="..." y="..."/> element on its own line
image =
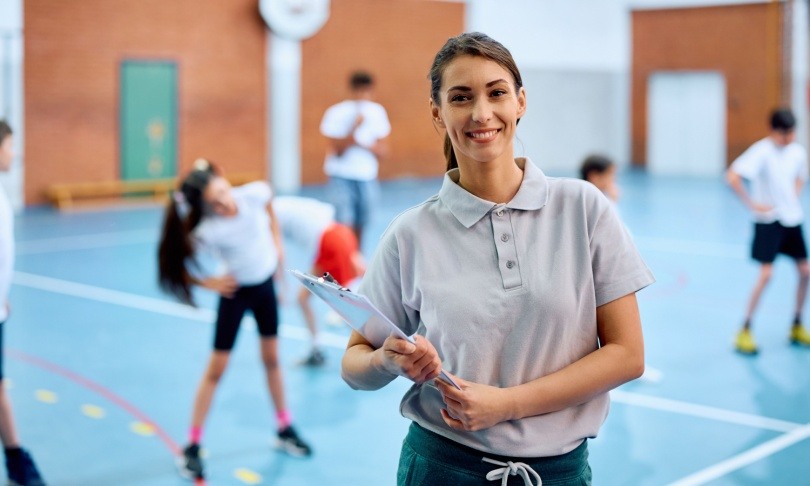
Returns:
<point x="745" y="343"/>
<point x="799" y="335"/>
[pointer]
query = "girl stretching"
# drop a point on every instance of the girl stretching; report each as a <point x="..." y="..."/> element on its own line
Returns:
<point x="237" y="225"/>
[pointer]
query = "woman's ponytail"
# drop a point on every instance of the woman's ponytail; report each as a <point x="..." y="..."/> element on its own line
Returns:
<point x="449" y="154"/>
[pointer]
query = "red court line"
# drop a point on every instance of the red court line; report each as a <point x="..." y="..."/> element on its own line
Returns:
<point x="98" y="389"/>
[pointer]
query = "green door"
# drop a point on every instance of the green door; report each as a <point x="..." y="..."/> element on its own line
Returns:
<point x="148" y="120"/>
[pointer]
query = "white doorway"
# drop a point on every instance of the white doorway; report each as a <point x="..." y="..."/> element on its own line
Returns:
<point x="686" y="123"/>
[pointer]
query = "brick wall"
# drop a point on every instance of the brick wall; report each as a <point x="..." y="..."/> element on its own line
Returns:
<point x="73" y="52"/>
<point x="744" y="42"/>
<point x="396" y="41"/>
<point x="72" y="55"/>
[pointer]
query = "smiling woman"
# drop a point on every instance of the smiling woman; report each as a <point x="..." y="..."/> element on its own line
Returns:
<point x="480" y="113"/>
<point x="547" y="323"/>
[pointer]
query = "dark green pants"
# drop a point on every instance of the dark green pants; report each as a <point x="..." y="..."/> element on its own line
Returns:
<point x="429" y="459"/>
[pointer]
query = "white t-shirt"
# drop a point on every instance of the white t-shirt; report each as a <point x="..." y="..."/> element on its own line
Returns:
<point x="356" y="162"/>
<point x="772" y="171"/>
<point x="304" y="220"/>
<point x="6" y="252"/>
<point x="506" y="293"/>
<point x="243" y="242"/>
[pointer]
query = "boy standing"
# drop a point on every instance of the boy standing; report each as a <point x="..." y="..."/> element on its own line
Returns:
<point x="356" y="131"/>
<point x="19" y="464"/>
<point x="776" y="169"/>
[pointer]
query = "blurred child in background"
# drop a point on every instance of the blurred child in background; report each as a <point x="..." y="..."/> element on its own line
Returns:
<point x="19" y="464"/>
<point x="601" y="172"/>
<point x="776" y="169"/>
<point x="238" y="226"/>
<point x="331" y="246"/>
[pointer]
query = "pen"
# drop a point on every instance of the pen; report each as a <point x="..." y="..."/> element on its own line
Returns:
<point x="327" y="277"/>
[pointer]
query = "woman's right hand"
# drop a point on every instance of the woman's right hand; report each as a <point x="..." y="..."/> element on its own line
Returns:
<point x="419" y="362"/>
<point x="225" y="285"/>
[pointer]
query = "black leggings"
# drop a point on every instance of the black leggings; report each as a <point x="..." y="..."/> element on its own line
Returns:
<point x="260" y="299"/>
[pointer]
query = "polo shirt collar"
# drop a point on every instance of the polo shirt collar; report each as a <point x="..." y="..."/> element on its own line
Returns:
<point x="469" y="209"/>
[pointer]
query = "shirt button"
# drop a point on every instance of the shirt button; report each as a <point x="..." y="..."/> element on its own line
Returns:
<point x="504" y="237"/>
<point x="510" y="264"/>
<point x="499" y="212"/>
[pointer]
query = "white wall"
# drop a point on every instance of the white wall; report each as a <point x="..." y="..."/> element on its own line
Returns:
<point x="557" y="34"/>
<point x="11" y="91"/>
<point x="575" y="57"/>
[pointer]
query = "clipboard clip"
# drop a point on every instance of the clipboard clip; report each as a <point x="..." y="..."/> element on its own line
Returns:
<point x="328" y="278"/>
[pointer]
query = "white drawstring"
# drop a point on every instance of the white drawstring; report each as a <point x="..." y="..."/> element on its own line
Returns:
<point x="512" y="469"/>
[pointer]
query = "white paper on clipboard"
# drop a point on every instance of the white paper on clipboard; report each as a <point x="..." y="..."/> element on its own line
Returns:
<point x="357" y="311"/>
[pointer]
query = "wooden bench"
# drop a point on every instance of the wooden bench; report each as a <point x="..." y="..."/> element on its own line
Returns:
<point x="72" y="195"/>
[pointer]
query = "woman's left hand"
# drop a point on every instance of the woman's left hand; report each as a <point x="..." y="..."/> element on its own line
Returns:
<point x="474" y="407"/>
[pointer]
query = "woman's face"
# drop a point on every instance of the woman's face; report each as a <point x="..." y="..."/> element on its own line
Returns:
<point x="479" y="107"/>
<point x="218" y="197"/>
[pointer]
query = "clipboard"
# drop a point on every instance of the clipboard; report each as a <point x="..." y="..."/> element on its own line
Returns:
<point x="358" y="312"/>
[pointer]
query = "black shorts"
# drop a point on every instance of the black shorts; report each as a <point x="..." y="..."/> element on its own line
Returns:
<point x="770" y="239"/>
<point x="260" y="299"/>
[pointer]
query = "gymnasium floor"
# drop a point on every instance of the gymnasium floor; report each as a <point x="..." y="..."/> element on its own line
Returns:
<point x="102" y="367"/>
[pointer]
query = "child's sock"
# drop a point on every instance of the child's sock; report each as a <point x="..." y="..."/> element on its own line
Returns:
<point x="12" y="452"/>
<point x="194" y="435"/>
<point x="284" y="419"/>
<point x="797" y="321"/>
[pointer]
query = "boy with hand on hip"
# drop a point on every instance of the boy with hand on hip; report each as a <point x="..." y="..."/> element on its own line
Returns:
<point x="776" y="170"/>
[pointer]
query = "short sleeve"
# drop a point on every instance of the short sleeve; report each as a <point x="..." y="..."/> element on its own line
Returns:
<point x="383" y="125"/>
<point x="258" y="191"/>
<point x="382" y="284"/>
<point x="749" y="163"/>
<point x="618" y="268"/>
<point x="333" y="124"/>
<point x="6" y="268"/>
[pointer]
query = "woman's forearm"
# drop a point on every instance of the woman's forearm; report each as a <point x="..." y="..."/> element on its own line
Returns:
<point x="597" y="373"/>
<point x="619" y="360"/>
<point x="362" y="368"/>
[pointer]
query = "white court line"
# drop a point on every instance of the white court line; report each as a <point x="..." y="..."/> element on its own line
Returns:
<point x="159" y="306"/>
<point x="151" y="304"/>
<point x="702" y="411"/>
<point x="132" y="237"/>
<point x="746" y="458"/>
<point x="692" y="247"/>
<point x="85" y="242"/>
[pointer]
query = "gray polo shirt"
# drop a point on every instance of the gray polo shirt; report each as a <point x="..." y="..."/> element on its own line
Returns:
<point x="506" y="293"/>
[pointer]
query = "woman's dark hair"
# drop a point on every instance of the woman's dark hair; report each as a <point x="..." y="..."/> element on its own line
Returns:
<point x="782" y="119"/>
<point x="183" y="213"/>
<point x="594" y="163"/>
<point x="470" y="44"/>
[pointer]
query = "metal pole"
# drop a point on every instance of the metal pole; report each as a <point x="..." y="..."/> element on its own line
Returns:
<point x="285" y="113"/>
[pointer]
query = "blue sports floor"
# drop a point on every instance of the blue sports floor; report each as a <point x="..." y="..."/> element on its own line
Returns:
<point x="102" y="367"/>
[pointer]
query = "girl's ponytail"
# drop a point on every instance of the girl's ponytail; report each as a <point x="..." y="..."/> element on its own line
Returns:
<point x="183" y="213"/>
<point x="174" y="251"/>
